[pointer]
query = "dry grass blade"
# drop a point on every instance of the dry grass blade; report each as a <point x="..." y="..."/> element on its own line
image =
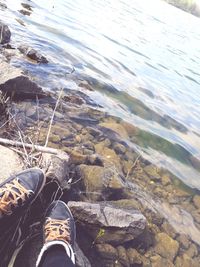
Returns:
<point x="1" y="36"/>
<point x="133" y="166"/>
<point x="7" y="121"/>
<point x="52" y="117"/>
<point x="26" y="158"/>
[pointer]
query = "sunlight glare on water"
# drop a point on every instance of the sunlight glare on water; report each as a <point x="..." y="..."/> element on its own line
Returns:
<point x="142" y="58"/>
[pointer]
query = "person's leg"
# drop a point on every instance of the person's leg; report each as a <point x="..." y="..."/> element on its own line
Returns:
<point x="59" y="237"/>
<point x="17" y="193"/>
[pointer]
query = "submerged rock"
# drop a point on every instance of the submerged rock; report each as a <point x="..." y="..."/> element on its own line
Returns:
<point x="134" y="257"/>
<point x="116" y="127"/>
<point x="196" y="200"/>
<point x="117" y="225"/>
<point x="106" y="251"/>
<point x="25" y="12"/>
<point x="157" y="261"/>
<point x="15" y="83"/>
<point x="32" y="53"/>
<point x="100" y="182"/>
<point x="186" y="261"/>
<point x="5" y="33"/>
<point x="166" y="246"/>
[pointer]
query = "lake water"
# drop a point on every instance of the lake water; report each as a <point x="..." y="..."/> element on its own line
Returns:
<point x="142" y="58"/>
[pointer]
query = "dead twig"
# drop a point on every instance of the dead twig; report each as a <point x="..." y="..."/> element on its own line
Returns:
<point x="133" y="166"/>
<point x="7" y="121"/>
<point x="30" y="146"/>
<point x="52" y="117"/>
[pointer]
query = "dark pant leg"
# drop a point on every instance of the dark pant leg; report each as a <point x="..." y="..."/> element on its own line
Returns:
<point x="56" y="256"/>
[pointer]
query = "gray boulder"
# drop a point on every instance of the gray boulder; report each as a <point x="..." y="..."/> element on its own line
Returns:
<point x="5" y="33"/>
<point x="107" y="223"/>
<point x="15" y="83"/>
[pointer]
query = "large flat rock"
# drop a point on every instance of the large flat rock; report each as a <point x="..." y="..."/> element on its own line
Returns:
<point x="10" y="163"/>
<point x="118" y="225"/>
<point x="15" y="83"/>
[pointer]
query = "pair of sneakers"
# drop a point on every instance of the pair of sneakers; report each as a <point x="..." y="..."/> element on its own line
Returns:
<point x="17" y="193"/>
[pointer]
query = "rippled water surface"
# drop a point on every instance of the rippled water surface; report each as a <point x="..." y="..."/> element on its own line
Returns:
<point x="142" y="58"/>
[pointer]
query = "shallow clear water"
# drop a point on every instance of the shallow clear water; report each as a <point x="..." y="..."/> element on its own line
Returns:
<point x="141" y="57"/>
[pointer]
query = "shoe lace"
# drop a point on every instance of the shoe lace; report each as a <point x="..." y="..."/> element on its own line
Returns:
<point x="12" y="195"/>
<point x="57" y="230"/>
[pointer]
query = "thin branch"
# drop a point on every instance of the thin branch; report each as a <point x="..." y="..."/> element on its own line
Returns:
<point x="7" y="121"/>
<point x="1" y="37"/>
<point x="52" y="117"/>
<point x="30" y="146"/>
<point x="25" y="151"/>
<point x="131" y="168"/>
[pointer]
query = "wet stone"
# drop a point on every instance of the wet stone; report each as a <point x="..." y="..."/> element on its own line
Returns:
<point x="30" y="52"/>
<point x="159" y="192"/>
<point x="14" y="82"/>
<point x="99" y="182"/>
<point x="89" y="145"/>
<point x="106" y="251"/>
<point x="54" y="138"/>
<point x="122" y="256"/>
<point x="25" y="12"/>
<point x="87" y="151"/>
<point x="157" y="261"/>
<point x="119" y="148"/>
<point x="166" y="246"/>
<point x="115" y="127"/>
<point x="130" y="156"/>
<point x="127" y="204"/>
<point x="186" y="261"/>
<point x="118" y="225"/>
<point x="165" y="179"/>
<point x="192" y="251"/>
<point x="134" y="257"/>
<point x="184" y="241"/>
<point x="196" y="201"/>
<point x="86" y="85"/>
<point x="94" y="132"/>
<point x="153" y="172"/>
<point x="76" y="157"/>
<point x="127" y="167"/>
<point x="5" y="33"/>
<point x="109" y="155"/>
<point x="196" y="215"/>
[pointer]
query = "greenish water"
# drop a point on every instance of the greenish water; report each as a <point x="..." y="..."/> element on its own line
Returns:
<point x="140" y="57"/>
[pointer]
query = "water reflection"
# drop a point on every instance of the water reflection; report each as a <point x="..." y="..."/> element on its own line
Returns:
<point x="138" y="61"/>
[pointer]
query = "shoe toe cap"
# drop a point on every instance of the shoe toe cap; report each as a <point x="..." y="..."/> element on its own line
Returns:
<point x="32" y="179"/>
<point x="59" y="210"/>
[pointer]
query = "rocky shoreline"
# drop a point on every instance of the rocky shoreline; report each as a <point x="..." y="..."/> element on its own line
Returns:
<point x="128" y="211"/>
<point x="188" y="6"/>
